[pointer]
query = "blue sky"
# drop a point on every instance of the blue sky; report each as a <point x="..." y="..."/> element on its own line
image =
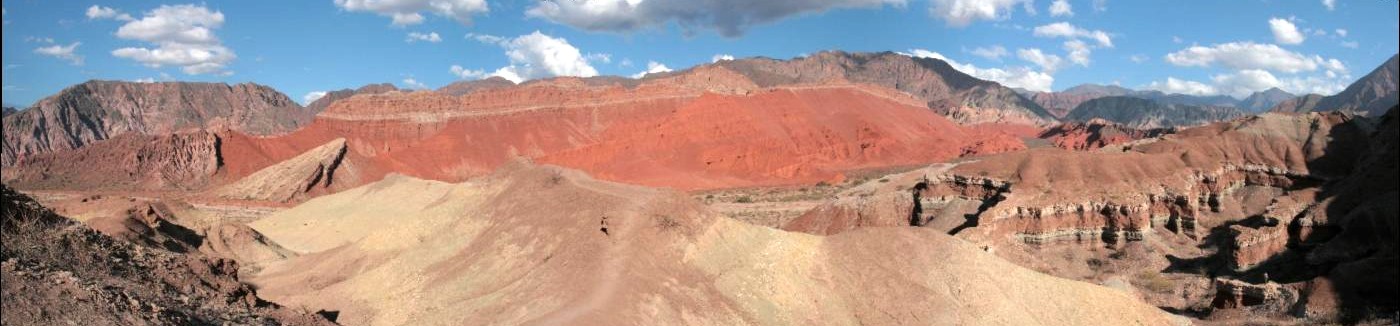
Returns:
<point x="305" y="46"/>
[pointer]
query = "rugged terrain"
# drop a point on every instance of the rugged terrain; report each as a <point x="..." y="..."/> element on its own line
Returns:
<point x="58" y="271"/>
<point x="1235" y="215"/>
<point x="581" y="251"/>
<point x="960" y="97"/>
<point x="97" y="110"/>
<point x="1371" y="95"/>
<point x="1142" y="113"/>
<point x="704" y="128"/>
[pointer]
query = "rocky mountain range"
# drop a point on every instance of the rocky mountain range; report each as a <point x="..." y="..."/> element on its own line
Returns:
<point x="846" y="188"/>
<point x="93" y="111"/>
<point x="1371" y="95"/>
<point x="960" y="97"/>
<point x="1061" y="103"/>
<point x="1140" y="113"/>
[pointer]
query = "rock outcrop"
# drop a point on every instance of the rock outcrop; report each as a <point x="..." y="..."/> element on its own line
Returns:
<point x="98" y="110"/>
<point x="307" y="175"/>
<point x="59" y="272"/>
<point x="1141" y="113"/>
<point x="1095" y="134"/>
<point x="181" y="161"/>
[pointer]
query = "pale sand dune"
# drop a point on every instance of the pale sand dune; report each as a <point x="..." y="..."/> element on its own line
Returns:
<point x="525" y="246"/>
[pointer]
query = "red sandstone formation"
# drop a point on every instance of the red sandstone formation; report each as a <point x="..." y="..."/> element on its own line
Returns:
<point x="97" y="110"/>
<point x="700" y="129"/>
<point x="1095" y="134"/>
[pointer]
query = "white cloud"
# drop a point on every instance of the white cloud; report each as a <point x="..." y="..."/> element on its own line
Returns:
<point x="1078" y="52"/>
<point x="1061" y="8"/>
<point x="721" y="57"/>
<point x="1341" y="32"/>
<point x="1242" y="83"/>
<point x="537" y="55"/>
<point x="653" y="67"/>
<point x="486" y="38"/>
<point x="1019" y="77"/>
<point x="960" y="13"/>
<point x="431" y="37"/>
<point x="100" y="12"/>
<point x="994" y="52"/>
<point x="1351" y="44"/>
<point x="1178" y="86"/>
<point x="414" y="83"/>
<point x="1285" y="32"/>
<point x="146" y="80"/>
<point x="1249" y="55"/>
<point x="1100" y="5"/>
<point x="184" y="37"/>
<point x="1047" y="62"/>
<point x="1330" y="4"/>
<point x="410" y="12"/>
<point x="1067" y="30"/>
<point x="312" y="97"/>
<point x="464" y="73"/>
<point x="64" y="52"/>
<point x="1137" y="58"/>
<point x="728" y="17"/>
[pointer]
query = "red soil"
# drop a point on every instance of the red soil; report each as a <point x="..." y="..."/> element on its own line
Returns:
<point x="674" y="132"/>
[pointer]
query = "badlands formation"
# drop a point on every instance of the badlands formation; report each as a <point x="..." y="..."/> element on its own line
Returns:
<point x="837" y="188"/>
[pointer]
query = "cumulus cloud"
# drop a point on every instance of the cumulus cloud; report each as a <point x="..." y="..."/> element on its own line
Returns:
<point x="100" y="12"/>
<point x="1341" y="32"/>
<point x="994" y="52"/>
<point x="1019" y="77"/>
<point x="1178" y="86"/>
<point x="1242" y="83"/>
<point x="410" y="12"/>
<point x="1285" y="32"/>
<point x="1047" y="62"/>
<point x="431" y="37"/>
<point x="653" y="67"/>
<point x="1351" y="44"/>
<point x="729" y="18"/>
<point x="960" y="13"/>
<point x="312" y="97"/>
<point x="65" y="52"/>
<point x="1067" y="30"/>
<point x="464" y="73"/>
<point x="1078" y="52"/>
<point x="1061" y="8"/>
<point x="1249" y="55"/>
<point x="1100" y="5"/>
<point x="414" y="83"/>
<point x="1330" y="4"/>
<point x="537" y="55"/>
<point x="721" y="57"/>
<point x="183" y="36"/>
